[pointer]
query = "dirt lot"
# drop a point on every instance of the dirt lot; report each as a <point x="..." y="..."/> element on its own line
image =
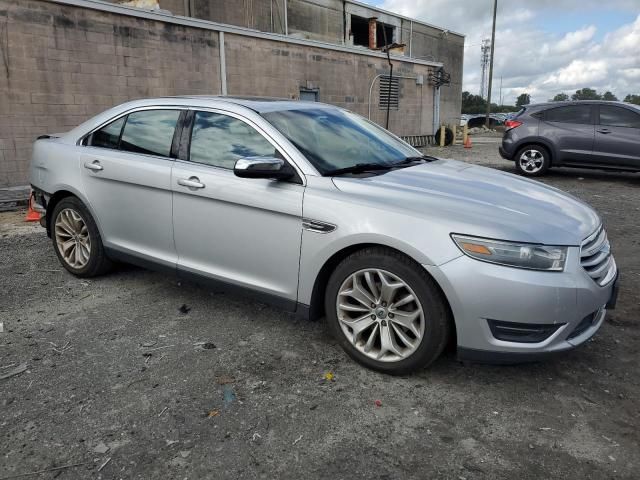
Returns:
<point x="235" y="389"/>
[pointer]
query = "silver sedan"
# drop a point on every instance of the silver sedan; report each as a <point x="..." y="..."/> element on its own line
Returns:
<point x="317" y="210"/>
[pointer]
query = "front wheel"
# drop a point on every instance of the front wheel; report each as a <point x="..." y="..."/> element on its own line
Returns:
<point x="532" y="161"/>
<point x="76" y="239"/>
<point x="386" y="311"/>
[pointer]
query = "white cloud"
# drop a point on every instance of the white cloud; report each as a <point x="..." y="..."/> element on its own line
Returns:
<point x="531" y="59"/>
<point x="577" y="39"/>
<point x="579" y="73"/>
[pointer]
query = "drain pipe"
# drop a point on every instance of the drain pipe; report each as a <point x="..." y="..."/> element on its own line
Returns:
<point x="436" y="109"/>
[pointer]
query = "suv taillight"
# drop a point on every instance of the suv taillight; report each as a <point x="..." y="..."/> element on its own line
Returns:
<point x="509" y="124"/>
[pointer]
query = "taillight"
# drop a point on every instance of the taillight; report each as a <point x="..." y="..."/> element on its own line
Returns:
<point x="509" y="124"/>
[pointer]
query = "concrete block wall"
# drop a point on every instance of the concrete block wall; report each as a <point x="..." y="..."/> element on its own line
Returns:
<point x="61" y="64"/>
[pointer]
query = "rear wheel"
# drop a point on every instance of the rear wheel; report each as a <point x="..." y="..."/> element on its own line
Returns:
<point x="76" y="239"/>
<point x="533" y="161"/>
<point x="386" y="312"/>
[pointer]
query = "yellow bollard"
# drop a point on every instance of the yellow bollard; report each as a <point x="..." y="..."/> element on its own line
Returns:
<point x="442" y="128"/>
<point x="465" y="134"/>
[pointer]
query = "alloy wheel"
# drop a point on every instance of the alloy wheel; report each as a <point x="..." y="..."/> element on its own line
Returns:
<point x="72" y="238"/>
<point x="531" y="161"/>
<point x="380" y="315"/>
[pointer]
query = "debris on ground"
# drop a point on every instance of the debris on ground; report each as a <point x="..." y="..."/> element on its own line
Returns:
<point x="225" y="380"/>
<point x="16" y="371"/>
<point x="101" y="448"/>
<point x="297" y="440"/>
<point x="104" y="464"/>
<point x="213" y="413"/>
<point x="149" y="344"/>
<point x="378" y="403"/>
<point x="47" y="470"/>
<point x="184" y="309"/>
<point x="329" y="377"/>
<point x="205" y="345"/>
<point x="228" y="396"/>
<point x="163" y="410"/>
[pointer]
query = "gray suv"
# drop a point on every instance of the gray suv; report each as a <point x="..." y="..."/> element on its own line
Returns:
<point x="586" y="134"/>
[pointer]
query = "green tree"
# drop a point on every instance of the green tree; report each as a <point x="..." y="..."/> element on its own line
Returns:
<point x="635" y="99"/>
<point x="586" y="94"/>
<point x="560" y="97"/>
<point x="523" y="99"/>
<point x="610" y="97"/>
<point x="473" y="103"/>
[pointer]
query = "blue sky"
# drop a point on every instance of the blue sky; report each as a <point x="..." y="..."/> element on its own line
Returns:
<point x="543" y="47"/>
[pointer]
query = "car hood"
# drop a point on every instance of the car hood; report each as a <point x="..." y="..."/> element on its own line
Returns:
<point x="479" y="201"/>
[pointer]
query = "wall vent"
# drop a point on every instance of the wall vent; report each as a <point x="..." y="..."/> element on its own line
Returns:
<point x="389" y="94"/>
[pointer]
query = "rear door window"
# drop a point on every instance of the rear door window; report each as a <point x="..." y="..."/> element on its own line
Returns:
<point x="108" y="136"/>
<point x="150" y="132"/>
<point x="618" y="117"/>
<point x="569" y="114"/>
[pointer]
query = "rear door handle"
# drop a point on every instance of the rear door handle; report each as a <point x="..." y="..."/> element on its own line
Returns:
<point x="95" y="166"/>
<point x="604" y="130"/>
<point x="191" y="182"/>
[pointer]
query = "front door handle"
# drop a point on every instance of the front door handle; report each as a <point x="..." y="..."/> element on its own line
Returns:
<point x="191" y="182"/>
<point x="95" y="166"/>
<point x="604" y="130"/>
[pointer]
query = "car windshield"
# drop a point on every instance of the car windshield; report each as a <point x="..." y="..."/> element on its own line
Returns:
<point x="333" y="139"/>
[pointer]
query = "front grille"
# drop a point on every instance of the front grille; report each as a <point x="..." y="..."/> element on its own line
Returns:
<point x="596" y="258"/>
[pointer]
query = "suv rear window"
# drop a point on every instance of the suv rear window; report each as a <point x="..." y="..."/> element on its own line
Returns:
<point x="569" y="114"/>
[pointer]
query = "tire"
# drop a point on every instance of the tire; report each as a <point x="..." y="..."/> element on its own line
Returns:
<point x="532" y="161"/>
<point x="73" y="225"/>
<point x="448" y="136"/>
<point x="432" y="320"/>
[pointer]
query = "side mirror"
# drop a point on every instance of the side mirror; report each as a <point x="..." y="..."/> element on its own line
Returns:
<point x="263" y="167"/>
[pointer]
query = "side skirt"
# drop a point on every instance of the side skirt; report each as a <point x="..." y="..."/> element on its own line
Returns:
<point x="300" y="309"/>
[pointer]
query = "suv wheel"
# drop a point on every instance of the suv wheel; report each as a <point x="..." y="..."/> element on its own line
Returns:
<point x="386" y="311"/>
<point x="532" y="161"/>
<point x="76" y="239"/>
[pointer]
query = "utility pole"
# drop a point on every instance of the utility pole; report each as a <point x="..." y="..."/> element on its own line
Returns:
<point x="493" y="49"/>
<point x="484" y="63"/>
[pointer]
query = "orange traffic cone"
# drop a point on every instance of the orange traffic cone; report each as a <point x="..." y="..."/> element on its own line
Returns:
<point x="467" y="143"/>
<point x="32" y="215"/>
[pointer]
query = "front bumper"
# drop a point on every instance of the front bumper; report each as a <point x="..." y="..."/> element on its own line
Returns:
<point x="480" y="292"/>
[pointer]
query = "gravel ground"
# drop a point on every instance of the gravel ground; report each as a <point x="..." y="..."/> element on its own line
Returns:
<point x="121" y="384"/>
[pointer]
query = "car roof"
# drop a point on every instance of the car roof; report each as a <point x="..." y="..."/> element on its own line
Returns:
<point x="257" y="104"/>
<point x="582" y="102"/>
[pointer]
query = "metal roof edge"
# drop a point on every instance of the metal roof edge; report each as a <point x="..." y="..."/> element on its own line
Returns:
<point x="221" y="27"/>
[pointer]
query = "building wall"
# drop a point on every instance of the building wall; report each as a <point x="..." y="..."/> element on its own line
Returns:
<point x="330" y="21"/>
<point x="63" y="64"/>
<point x="325" y="20"/>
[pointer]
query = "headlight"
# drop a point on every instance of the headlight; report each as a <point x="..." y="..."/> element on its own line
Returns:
<point x="519" y="255"/>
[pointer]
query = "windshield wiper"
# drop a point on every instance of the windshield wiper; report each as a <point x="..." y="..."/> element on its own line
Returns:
<point x="411" y="160"/>
<point x="358" y="168"/>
